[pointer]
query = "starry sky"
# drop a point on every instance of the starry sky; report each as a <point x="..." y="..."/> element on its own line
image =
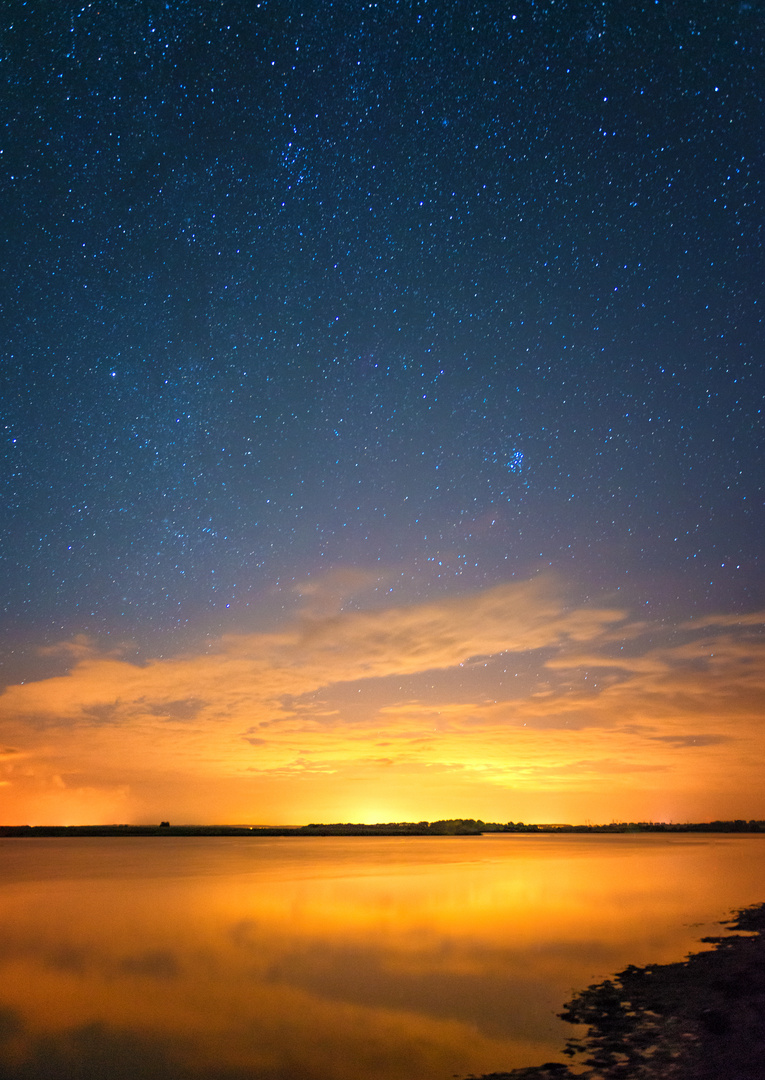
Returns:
<point x="382" y="410"/>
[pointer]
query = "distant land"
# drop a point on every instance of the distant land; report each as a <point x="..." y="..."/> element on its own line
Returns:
<point x="447" y="827"/>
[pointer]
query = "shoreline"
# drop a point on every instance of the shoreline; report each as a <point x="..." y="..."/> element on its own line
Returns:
<point x="697" y="1019"/>
<point x="438" y="828"/>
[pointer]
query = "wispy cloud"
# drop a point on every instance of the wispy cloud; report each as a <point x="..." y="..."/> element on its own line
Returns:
<point x="599" y="687"/>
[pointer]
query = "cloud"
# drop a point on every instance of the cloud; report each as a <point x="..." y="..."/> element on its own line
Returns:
<point x="432" y="685"/>
<point x="742" y="620"/>
<point x="692" y="740"/>
<point x="77" y="648"/>
<point x="184" y="709"/>
<point x="313" y="652"/>
<point x="329" y="592"/>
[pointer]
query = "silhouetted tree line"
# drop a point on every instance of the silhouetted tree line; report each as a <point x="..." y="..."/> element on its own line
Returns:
<point x="444" y="827"/>
<point x="447" y="827"/>
<point x="739" y="825"/>
<point x="474" y="826"/>
<point x="700" y="1019"/>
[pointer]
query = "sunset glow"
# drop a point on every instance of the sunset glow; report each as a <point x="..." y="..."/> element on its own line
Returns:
<point x="512" y="703"/>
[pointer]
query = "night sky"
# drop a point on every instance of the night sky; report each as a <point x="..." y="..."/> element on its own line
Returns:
<point x="436" y="324"/>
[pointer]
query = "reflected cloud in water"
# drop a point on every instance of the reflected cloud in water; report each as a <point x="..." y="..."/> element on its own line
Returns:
<point x="334" y="958"/>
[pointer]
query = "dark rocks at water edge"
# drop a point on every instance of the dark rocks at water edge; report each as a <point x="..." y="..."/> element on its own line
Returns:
<point x="447" y="827"/>
<point x="700" y="1019"/>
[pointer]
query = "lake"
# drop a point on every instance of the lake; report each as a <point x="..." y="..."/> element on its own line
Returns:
<point x="335" y="958"/>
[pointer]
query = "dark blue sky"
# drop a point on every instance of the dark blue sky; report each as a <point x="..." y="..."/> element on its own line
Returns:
<point x="456" y="291"/>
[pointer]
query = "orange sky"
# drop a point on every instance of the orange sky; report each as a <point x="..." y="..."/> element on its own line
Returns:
<point x="512" y="703"/>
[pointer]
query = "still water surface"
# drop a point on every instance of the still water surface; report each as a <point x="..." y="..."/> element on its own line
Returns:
<point x="335" y="958"/>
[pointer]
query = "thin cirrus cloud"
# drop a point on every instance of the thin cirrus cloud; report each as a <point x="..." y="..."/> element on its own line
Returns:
<point x="399" y="690"/>
<point x="242" y="671"/>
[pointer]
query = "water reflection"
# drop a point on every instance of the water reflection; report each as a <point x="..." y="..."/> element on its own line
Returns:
<point x="334" y="958"/>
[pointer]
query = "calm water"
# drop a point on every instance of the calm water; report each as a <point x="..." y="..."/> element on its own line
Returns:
<point x="334" y="958"/>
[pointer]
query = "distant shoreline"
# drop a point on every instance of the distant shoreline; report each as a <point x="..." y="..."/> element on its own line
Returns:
<point x="452" y="827"/>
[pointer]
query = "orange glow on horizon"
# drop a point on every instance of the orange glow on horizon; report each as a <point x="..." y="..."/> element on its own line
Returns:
<point x="507" y="704"/>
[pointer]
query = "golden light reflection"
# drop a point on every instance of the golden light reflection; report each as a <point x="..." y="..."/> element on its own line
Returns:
<point x="344" y="957"/>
